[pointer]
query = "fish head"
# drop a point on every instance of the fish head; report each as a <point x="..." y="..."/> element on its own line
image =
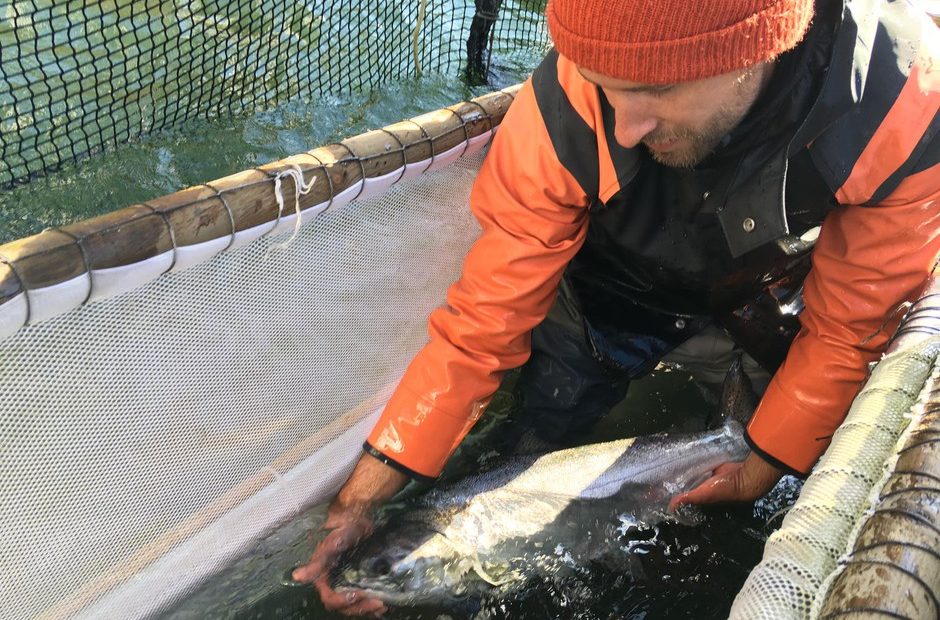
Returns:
<point x="405" y="564"/>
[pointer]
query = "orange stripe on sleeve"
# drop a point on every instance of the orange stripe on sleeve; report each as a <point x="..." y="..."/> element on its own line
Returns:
<point x="581" y="93"/>
<point x="915" y="187"/>
<point x="899" y="132"/>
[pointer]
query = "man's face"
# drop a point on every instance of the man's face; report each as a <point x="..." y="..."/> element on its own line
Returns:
<point x="681" y="123"/>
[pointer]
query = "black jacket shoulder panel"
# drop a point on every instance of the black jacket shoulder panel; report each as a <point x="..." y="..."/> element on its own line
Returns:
<point x="881" y="40"/>
<point x="626" y="161"/>
<point x="574" y="142"/>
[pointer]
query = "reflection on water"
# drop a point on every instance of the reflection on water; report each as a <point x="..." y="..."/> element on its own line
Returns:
<point x="205" y="150"/>
<point x="668" y="570"/>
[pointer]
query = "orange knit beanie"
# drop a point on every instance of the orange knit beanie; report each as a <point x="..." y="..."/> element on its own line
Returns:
<point x="665" y="41"/>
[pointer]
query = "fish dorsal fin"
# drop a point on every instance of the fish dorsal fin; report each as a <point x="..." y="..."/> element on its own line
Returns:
<point x="738" y="399"/>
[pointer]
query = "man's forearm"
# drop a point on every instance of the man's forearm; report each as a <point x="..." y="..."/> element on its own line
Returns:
<point x="371" y="484"/>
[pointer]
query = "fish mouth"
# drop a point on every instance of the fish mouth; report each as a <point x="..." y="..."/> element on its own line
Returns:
<point x="423" y="586"/>
<point x="392" y="589"/>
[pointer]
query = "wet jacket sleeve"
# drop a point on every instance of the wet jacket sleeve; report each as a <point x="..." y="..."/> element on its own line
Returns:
<point x="872" y="255"/>
<point x="867" y="262"/>
<point x="533" y="216"/>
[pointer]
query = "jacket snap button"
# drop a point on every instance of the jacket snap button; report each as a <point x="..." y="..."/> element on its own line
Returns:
<point x="749" y="224"/>
<point x="680" y="323"/>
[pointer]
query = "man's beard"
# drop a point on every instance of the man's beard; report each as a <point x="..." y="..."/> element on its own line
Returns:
<point x="697" y="144"/>
<point x="700" y="143"/>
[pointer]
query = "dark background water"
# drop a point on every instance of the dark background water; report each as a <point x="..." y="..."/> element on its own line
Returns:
<point x="664" y="571"/>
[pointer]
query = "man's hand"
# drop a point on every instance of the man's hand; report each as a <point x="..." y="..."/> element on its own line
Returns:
<point x="348" y="520"/>
<point x="345" y="530"/>
<point x="733" y="482"/>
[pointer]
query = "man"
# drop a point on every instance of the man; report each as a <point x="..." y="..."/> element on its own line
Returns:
<point x="654" y="179"/>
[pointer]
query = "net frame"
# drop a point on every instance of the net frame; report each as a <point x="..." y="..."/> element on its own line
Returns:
<point x="47" y="274"/>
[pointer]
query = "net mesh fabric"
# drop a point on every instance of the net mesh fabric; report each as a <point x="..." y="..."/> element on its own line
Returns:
<point x="131" y="424"/>
<point x="78" y="77"/>
<point x="802" y="555"/>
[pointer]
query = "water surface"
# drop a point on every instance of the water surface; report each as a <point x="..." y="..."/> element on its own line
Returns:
<point x="201" y="151"/>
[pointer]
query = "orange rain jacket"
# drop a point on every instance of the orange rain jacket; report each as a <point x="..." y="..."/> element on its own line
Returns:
<point x="872" y="137"/>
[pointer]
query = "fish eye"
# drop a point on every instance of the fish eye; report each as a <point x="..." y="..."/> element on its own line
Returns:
<point x="381" y="566"/>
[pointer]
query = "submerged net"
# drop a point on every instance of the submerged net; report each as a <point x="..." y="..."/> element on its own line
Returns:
<point x="79" y="77"/>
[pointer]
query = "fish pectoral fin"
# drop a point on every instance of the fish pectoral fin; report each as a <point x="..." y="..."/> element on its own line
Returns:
<point x="691" y="483"/>
<point x="485" y="576"/>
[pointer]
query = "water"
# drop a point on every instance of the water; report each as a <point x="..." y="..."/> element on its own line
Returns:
<point x="664" y="571"/>
<point x="201" y="151"/>
<point x="79" y="77"/>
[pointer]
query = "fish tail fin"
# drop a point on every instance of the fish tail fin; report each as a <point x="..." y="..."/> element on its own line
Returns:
<point x="738" y="399"/>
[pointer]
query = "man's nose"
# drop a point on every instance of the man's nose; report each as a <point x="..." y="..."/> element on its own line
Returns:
<point x="631" y="126"/>
<point x="635" y="115"/>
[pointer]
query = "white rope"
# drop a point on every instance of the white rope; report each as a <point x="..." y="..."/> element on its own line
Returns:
<point x="414" y="37"/>
<point x="301" y="188"/>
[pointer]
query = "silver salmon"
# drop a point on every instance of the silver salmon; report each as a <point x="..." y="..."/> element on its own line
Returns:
<point x="490" y="532"/>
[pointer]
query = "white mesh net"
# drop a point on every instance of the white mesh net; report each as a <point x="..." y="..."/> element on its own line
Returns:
<point x="160" y="432"/>
<point x="801" y="556"/>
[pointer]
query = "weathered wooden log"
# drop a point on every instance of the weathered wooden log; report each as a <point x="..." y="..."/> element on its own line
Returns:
<point x="901" y="480"/>
<point x="887" y="526"/>
<point x="922" y="456"/>
<point x="879" y="588"/>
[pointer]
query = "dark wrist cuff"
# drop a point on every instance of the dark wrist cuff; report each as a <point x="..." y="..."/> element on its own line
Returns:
<point x="770" y="459"/>
<point x="395" y="464"/>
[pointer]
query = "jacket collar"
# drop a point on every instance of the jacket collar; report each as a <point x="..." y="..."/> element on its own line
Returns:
<point x="760" y="177"/>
